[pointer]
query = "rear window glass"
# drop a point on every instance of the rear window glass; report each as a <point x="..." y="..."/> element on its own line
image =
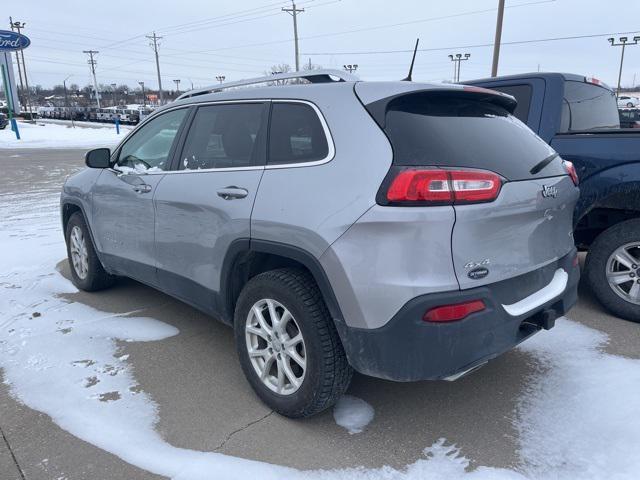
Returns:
<point x="522" y="94"/>
<point x="458" y="131"/>
<point x="588" y="107"/>
<point x="296" y="135"/>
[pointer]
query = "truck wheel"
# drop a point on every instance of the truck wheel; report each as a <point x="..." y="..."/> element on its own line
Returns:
<point x="87" y="272"/>
<point x="288" y="346"/>
<point x="613" y="269"/>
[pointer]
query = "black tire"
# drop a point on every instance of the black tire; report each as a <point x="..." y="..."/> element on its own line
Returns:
<point x="96" y="278"/>
<point x="596" y="267"/>
<point x="328" y="372"/>
<point x="630" y="105"/>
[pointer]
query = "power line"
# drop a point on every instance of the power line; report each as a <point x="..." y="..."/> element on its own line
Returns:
<point x="479" y="45"/>
<point x="365" y="29"/>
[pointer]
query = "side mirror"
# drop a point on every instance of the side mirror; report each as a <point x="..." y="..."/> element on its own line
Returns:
<point x="98" y="158"/>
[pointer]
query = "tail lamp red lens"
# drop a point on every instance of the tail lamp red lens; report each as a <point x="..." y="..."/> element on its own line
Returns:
<point x="453" y="313"/>
<point x="444" y="186"/>
<point x="571" y="170"/>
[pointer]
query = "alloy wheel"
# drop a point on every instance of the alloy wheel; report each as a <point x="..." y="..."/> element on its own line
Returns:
<point x="79" y="253"/>
<point x="623" y="272"/>
<point x="275" y="346"/>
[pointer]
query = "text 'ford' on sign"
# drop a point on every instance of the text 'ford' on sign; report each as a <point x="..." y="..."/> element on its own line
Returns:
<point x="10" y="41"/>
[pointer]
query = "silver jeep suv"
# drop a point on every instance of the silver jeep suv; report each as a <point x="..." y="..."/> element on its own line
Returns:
<point x="405" y="230"/>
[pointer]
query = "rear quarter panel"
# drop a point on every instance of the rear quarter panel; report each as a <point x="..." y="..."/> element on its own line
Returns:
<point x="312" y="206"/>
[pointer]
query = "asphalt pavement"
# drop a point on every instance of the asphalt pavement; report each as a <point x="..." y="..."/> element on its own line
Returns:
<point x="205" y="403"/>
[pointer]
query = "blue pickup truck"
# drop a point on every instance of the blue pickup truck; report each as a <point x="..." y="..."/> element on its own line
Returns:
<point x="578" y="117"/>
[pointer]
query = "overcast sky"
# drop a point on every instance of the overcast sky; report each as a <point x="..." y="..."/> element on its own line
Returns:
<point x="205" y="38"/>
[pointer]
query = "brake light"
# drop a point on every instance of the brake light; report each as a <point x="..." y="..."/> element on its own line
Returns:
<point x="571" y="170"/>
<point x="420" y="186"/>
<point x="444" y="187"/>
<point x="453" y="313"/>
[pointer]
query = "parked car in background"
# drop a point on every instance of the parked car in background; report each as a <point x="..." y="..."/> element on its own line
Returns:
<point x="629" y="117"/>
<point x="629" y="102"/>
<point x="409" y="231"/>
<point x="578" y="117"/>
<point x="4" y="121"/>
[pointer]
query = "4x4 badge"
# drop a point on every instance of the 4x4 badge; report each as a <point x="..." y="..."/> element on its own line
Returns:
<point x="549" y="191"/>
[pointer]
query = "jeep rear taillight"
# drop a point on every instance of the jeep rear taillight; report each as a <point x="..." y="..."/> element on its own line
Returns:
<point x="571" y="170"/>
<point x="417" y="186"/>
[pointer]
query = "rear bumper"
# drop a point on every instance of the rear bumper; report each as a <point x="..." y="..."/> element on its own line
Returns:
<point x="410" y="349"/>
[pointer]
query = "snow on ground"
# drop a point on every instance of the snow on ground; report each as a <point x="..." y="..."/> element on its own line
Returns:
<point x="578" y="418"/>
<point x="50" y="135"/>
<point x="353" y="413"/>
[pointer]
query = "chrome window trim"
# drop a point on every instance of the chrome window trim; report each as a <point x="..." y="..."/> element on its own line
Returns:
<point x="325" y="127"/>
<point x="327" y="133"/>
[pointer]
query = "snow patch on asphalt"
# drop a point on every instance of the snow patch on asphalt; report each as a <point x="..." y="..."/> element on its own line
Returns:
<point x="578" y="418"/>
<point x="353" y="414"/>
<point x="42" y="135"/>
<point x="580" y="414"/>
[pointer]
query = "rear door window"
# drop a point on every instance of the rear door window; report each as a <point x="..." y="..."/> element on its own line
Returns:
<point x="522" y="94"/>
<point x="454" y="130"/>
<point x="296" y="135"/>
<point x="588" y="107"/>
<point x="225" y="136"/>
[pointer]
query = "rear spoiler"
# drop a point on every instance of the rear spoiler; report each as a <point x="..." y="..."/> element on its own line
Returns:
<point x="378" y="109"/>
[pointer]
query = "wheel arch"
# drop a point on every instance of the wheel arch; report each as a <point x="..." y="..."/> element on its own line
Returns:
<point x="248" y="258"/>
<point x="70" y="206"/>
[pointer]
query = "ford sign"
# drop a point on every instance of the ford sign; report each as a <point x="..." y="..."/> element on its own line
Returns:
<point x="10" y="41"/>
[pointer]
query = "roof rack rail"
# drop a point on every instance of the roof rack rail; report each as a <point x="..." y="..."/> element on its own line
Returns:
<point x="313" y="76"/>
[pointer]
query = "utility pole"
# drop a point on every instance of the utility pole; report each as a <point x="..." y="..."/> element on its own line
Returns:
<point x="220" y="78"/>
<point x="92" y="64"/>
<point x="19" y="26"/>
<point x="144" y="98"/>
<point x="496" y="44"/>
<point x="154" y="39"/>
<point x="351" y="67"/>
<point x="24" y="101"/>
<point x="293" y="11"/>
<point x="623" y="42"/>
<point x="457" y="59"/>
<point x="177" y="82"/>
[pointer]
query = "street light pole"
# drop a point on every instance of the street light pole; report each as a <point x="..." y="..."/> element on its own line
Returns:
<point x="351" y="67"/>
<point x="623" y="42"/>
<point x="144" y="98"/>
<point x="220" y="78"/>
<point x="177" y="82"/>
<point x="66" y="99"/>
<point x="113" y="94"/>
<point x="457" y="59"/>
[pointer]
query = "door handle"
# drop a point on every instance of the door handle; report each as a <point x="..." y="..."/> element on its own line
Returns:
<point x="231" y="193"/>
<point x="144" y="188"/>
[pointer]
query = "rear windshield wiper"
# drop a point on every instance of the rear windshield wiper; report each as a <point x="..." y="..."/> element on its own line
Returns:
<point x="538" y="167"/>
